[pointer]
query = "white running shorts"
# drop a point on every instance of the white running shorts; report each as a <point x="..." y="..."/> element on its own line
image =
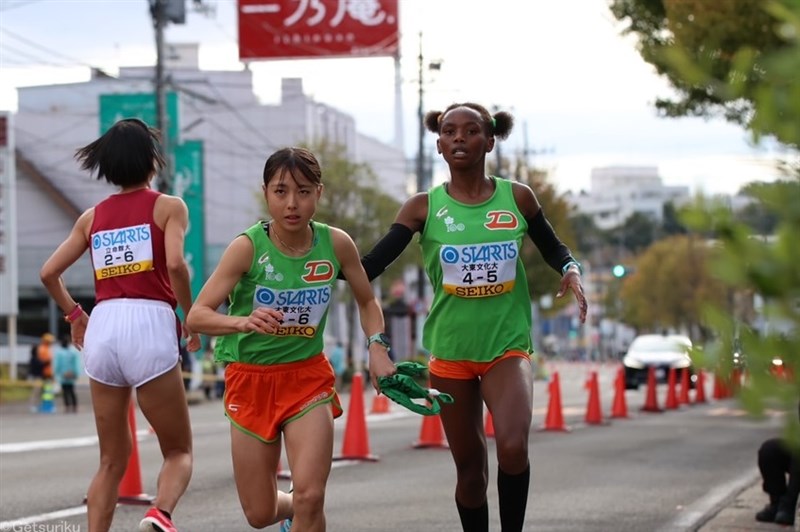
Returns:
<point x="129" y="342"/>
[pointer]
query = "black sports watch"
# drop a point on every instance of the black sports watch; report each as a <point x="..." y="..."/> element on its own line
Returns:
<point x="379" y="338"/>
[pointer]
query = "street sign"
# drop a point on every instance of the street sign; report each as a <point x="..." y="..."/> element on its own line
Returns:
<point x="279" y="29"/>
<point x="188" y="184"/>
<point x="141" y="105"/>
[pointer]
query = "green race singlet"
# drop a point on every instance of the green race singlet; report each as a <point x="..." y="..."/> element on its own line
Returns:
<point x="481" y="307"/>
<point x="301" y="287"/>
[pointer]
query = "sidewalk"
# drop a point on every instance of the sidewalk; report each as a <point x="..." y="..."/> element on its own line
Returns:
<point x="738" y="514"/>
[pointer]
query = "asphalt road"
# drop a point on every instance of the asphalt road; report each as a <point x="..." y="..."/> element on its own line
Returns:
<point x="648" y="472"/>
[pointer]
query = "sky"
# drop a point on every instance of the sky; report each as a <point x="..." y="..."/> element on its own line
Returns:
<point x="581" y="95"/>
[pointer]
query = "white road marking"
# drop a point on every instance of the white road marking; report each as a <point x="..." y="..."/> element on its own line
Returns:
<point x="50" y="516"/>
<point x="65" y="443"/>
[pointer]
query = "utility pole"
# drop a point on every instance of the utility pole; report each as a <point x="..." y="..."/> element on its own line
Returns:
<point x="158" y="10"/>
<point x="420" y="168"/>
<point x="163" y="12"/>
<point x="423" y="179"/>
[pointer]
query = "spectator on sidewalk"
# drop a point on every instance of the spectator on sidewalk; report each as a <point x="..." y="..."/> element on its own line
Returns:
<point x="40" y="368"/>
<point x="67" y="368"/>
<point x="780" y="474"/>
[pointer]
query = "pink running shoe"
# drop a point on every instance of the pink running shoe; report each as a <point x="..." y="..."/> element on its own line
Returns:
<point x="155" y="521"/>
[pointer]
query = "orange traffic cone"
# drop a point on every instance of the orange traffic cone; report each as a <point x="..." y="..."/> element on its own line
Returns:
<point x="355" y="445"/>
<point x="683" y="396"/>
<point x="651" y="401"/>
<point x="488" y="426"/>
<point x="672" y="395"/>
<point x="736" y="381"/>
<point x="555" y="414"/>
<point x="700" y="387"/>
<point x="720" y="389"/>
<point x="619" y="408"/>
<point x="431" y="433"/>
<point x="130" y="487"/>
<point x="594" y="414"/>
<point x="380" y="404"/>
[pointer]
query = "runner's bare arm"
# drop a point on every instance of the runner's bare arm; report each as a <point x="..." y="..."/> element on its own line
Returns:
<point x="177" y="221"/>
<point x="175" y="226"/>
<point x="63" y="257"/>
<point x="204" y="318"/>
<point x="369" y="308"/>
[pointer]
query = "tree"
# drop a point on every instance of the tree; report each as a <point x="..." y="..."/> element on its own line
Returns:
<point x="638" y="232"/>
<point x="671" y="224"/>
<point x="755" y="215"/>
<point x="541" y="278"/>
<point x="670" y="287"/>
<point x="588" y="236"/>
<point x="740" y="57"/>
<point x="767" y="268"/>
<point x="724" y="40"/>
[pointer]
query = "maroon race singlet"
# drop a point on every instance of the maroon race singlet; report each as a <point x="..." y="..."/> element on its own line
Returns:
<point x="127" y="249"/>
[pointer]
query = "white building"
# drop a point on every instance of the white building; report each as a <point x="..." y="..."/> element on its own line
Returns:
<point x="617" y="192"/>
<point x="216" y="107"/>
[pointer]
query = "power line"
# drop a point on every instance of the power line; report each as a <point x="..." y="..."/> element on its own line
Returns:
<point x="45" y="49"/>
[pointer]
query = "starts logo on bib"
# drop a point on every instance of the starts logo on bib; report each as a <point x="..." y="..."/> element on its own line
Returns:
<point x="479" y="270"/>
<point x="303" y="308"/>
<point x="123" y="251"/>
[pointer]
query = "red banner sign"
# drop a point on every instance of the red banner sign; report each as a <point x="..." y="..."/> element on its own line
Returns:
<point x="288" y="29"/>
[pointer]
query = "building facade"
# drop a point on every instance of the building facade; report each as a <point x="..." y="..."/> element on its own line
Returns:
<point x="219" y="108"/>
<point x="617" y="192"/>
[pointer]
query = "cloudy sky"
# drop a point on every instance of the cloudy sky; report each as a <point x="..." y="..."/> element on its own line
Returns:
<point x="580" y="93"/>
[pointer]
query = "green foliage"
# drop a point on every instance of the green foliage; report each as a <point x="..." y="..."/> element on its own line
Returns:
<point x="741" y="57"/>
<point x="638" y="232"/>
<point x="542" y="279"/>
<point x="671" y="285"/>
<point x="768" y="268"/>
<point x="588" y="237"/>
<point x="716" y="55"/>
<point x="756" y="215"/>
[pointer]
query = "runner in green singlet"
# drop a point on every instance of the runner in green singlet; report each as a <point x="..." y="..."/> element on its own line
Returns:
<point x="278" y="277"/>
<point x="479" y="325"/>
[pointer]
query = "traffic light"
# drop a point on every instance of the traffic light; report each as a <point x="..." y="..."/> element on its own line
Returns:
<point x="618" y="271"/>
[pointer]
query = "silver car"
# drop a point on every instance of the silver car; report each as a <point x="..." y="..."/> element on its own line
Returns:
<point x="658" y="351"/>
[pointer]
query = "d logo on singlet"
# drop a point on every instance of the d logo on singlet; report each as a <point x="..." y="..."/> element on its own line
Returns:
<point x="501" y="220"/>
<point x="318" y="271"/>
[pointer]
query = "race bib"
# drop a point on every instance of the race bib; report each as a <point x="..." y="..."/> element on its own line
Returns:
<point x="303" y="308"/>
<point x="479" y="270"/>
<point x="122" y="251"/>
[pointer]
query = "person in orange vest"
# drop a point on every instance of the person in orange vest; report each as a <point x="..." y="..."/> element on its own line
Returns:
<point x="45" y="355"/>
<point x="35" y="373"/>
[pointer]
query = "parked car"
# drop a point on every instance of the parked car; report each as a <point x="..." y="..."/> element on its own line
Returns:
<point x="658" y="351"/>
